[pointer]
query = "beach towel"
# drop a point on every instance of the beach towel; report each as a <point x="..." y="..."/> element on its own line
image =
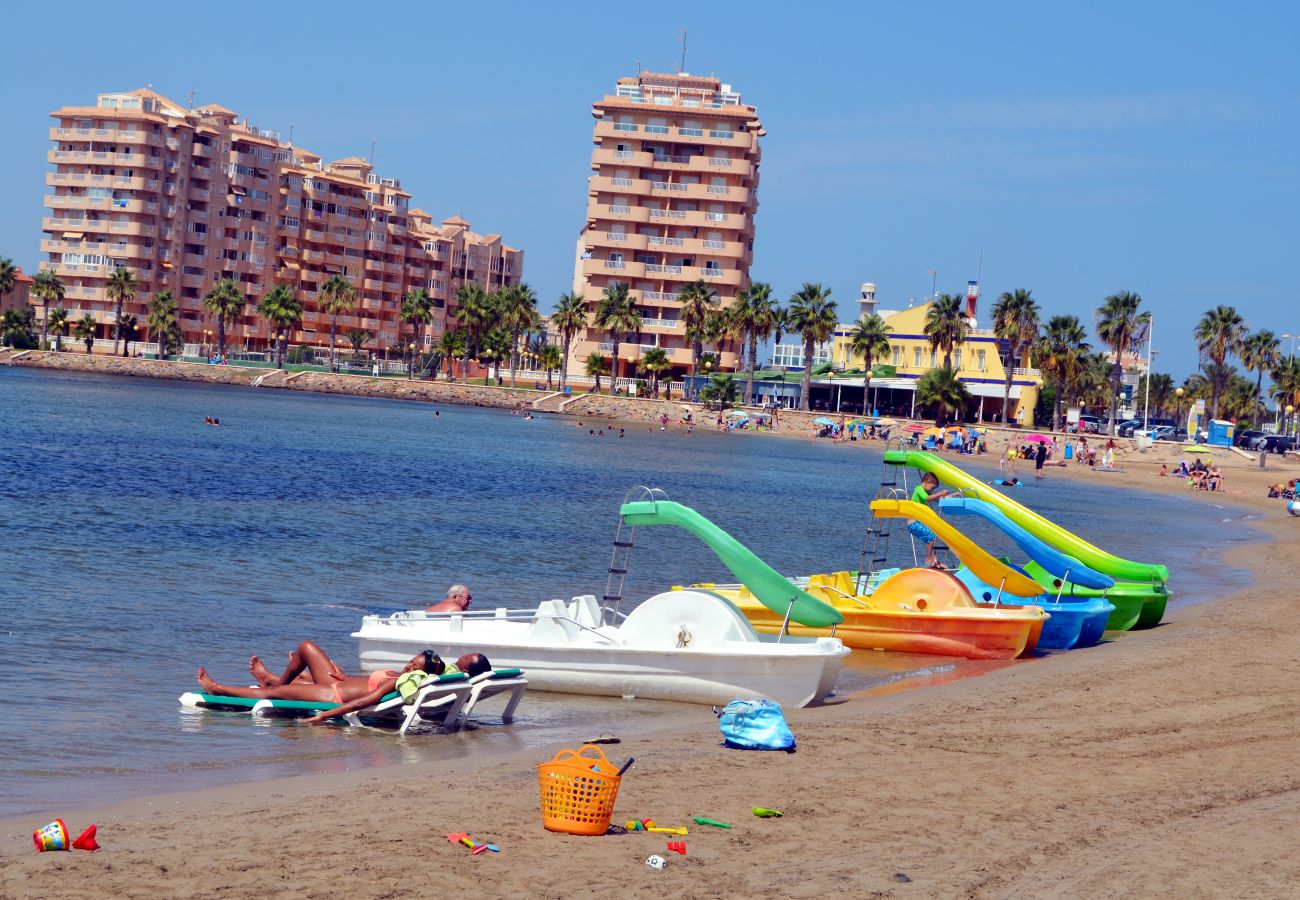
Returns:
<point x="755" y="725"/>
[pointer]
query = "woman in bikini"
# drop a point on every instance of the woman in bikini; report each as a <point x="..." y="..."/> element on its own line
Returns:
<point x="312" y="675"/>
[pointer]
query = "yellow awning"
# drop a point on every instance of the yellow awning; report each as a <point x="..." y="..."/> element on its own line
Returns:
<point x="290" y="264"/>
<point x="167" y="265"/>
<point x="75" y="235"/>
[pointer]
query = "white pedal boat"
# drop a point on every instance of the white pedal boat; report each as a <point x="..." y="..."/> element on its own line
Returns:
<point x="689" y="646"/>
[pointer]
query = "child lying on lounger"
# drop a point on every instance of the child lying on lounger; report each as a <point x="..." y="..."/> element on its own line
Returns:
<point x="312" y="675"/>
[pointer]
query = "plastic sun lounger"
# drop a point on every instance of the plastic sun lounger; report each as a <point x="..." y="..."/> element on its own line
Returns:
<point x="449" y="691"/>
<point x="489" y="684"/>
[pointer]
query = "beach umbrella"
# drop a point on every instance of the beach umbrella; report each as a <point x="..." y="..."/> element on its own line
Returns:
<point x="1197" y="448"/>
<point x="762" y="415"/>
<point x="915" y="429"/>
<point x="888" y="423"/>
<point x="737" y="414"/>
<point x="932" y="431"/>
<point x="822" y="420"/>
<point x="1039" y="439"/>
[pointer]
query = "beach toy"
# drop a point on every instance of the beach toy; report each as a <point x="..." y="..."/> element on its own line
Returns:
<point x="658" y="830"/>
<point x="677" y="847"/>
<point x="86" y="840"/>
<point x="457" y="837"/>
<point x="656" y="861"/>
<point x="639" y="824"/>
<point x="764" y="813"/>
<point x="700" y="820"/>
<point x="578" y="791"/>
<point x="53" y="836"/>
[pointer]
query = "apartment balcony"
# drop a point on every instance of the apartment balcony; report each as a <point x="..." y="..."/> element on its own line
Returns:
<point x="666" y="324"/>
<point x="603" y="156"/>
<point x="616" y="240"/>
<point x="610" y="270"/>
<point x="607" y="184"/>
<point x="709" y="137"/>
<point x="715" y="277"/>
<point x="609" y="129"/>
<point x="618" y="212"/>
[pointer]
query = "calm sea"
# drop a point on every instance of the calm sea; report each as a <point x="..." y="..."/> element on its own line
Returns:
<point x="138" y="543"/>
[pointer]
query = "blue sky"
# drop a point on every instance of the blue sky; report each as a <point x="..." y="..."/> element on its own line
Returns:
<point x="1148" y="147"/>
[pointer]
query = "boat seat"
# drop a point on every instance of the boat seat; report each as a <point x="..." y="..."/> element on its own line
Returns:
<point x="586" y="611"/>
<point x="552" y="622"/>
<point x="686" y="619"/>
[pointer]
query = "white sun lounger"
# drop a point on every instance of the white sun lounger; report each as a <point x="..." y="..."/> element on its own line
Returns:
<point x="488" y="685"/>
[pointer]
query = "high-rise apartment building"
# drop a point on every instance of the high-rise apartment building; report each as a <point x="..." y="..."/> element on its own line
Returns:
<point x="187" y="197"/>
<point x="672" y="202"/>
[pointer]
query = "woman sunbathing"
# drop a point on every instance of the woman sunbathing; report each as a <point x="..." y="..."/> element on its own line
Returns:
<point x="312" y="675"/>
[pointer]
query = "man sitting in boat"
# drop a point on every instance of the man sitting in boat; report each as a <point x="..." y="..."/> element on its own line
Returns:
<point x="312" y="675"/>
<point x="457" y="600"/>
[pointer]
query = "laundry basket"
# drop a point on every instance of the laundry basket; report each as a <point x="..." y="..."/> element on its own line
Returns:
<point x="578" y="791"/>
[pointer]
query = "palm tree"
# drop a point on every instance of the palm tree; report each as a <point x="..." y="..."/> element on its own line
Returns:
<point x="450" y="346"/>
<point x="417" y="309"/>
<point x="1015" y="321"/>
<point x="49" y="287"/>
<point x="1058" y="353"/>
<point x="58" y="323"/>
<point x="8" y="278"/>
<point x="946" y="325"/>
<point x="226" y="302"/>
<point x="812" y="314"/>
<point x="569" y="318"/>
<point x="358" y="338"/>
<point x="1286" y="389"/>
<point x="869" y="339"/>
<point x="282" y="310"/>
<point x="85" y="331"/>
<point x="655" y="363"/>
<point x="721" y="389"/>
<point x="518" y="316"/>
<point x="338" y="297"/>
<point x="1118" y="320"/>
<point x="597" y="365"/>
<point x="755" y="314"/>
<point x="1156" y="390"/>
<point x="129" y="325"/>
<point x="549" y="359"/>
<point x="1259" y="353"/>
<point x="121" y="287"/>
<point x="943" y="389"/>
<point x="1218" y="334"/>
<point x="617" y="315"/>
<point x="698" y="301"/>
<point x="164" y="323"/>
<point x="476" y="313"/>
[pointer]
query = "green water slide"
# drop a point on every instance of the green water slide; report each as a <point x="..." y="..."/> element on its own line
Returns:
<point x="768" y="586"/>
<point x="1026" y="518"/>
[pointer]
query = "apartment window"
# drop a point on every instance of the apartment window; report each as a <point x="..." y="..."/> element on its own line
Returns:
<point x="981" y="361"/>
<point x="917" y="361"/>
<point x="691" y="128"/>
<point x="722" y="132"/>
<point x="657" y="126"/>
<point x="934" y="358"/>
<point x="956" y="360"/>
<point x="624" y="123"/>
<point x="898" y="357"/>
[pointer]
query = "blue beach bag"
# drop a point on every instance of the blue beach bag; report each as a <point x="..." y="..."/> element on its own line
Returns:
<point x="755" y="725"/>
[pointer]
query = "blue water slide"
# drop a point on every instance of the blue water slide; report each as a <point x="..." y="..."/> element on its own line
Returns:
<point x="1054" y="561"/>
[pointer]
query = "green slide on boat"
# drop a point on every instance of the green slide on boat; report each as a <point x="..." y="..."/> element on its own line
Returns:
<point x="768" y="586"/>
<point x="1026" y="518"/>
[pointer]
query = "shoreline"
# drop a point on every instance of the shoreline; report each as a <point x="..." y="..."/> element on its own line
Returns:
<point x="1155" y="763"/>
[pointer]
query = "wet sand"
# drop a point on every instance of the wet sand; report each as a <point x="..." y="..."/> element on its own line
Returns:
<point x="1161" y="763"/>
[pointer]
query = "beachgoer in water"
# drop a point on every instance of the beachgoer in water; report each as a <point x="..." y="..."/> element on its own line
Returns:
<point x="457" y="600"/>
<point x="207" y="420"/>
<point x="1040" y="456"/>
<point x="328" y="684"/>
<point x="1164" y="470"/>
<point x="216" y="421"/>
<point x="928" y="491"/>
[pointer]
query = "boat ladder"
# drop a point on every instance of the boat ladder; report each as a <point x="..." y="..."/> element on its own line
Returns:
<point x="621" y="557"/>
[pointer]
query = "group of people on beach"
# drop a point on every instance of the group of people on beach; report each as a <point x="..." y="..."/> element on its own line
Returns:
<point x="1199" y="476"/>
<point x="312" y="676"/>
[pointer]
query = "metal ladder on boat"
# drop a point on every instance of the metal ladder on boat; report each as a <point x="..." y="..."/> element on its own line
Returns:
<point x="621" y="557"/>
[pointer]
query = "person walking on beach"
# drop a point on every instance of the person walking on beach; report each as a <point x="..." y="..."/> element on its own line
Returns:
<point x="1040" y="456"/>
<point x="457" y="600"/>
<point x="928" y="491"/>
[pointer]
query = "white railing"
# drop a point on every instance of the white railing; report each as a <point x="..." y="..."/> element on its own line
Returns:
<point x="656" y="129"/>
<point x="619" y="209"/>
<point x="716" y="217"/>
<point x="659" y="185"/>
<point x="668" y="242"/>
<point x="667" y="214"/>
<point x="718" y="189"/>
<point x="622" y="154"/>
<point x="625" y="126"/>
<point x="722" y="135"/>
<point x="715" y="245"/>
<point x="691" y="132"/>
<point x="718" y="161"/>
<point x="711" y="272"/>
<point x="659" y="323"/>
<point x="666" y="270"/>
<point x="621" y="182"/>
<point x="1028" y="373"/>
<point x="663" y="157"/>
<point x="617" y="236"/>
<point x="614" y="264"/>
<point x="662" y="296"/>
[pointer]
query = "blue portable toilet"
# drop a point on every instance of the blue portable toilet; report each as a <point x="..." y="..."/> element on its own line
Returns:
<point x="1220" y="433"/>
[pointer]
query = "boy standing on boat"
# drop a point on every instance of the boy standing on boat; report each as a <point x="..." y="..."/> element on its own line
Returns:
<point x="928" y="491"/>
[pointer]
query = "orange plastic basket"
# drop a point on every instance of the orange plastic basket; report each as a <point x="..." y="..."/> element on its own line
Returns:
<point x="578" y="791"/>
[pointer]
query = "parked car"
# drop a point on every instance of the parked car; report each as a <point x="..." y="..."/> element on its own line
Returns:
<point x="1128" y="427"/>
<point x="1164" y="433"/>
<point x="1278" y="443"/>
<point x="1250" y="439"/>
<point x="1089" y="424"/>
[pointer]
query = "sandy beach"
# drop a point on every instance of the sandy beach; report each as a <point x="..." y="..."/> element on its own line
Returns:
<point x="1158" y="764"/>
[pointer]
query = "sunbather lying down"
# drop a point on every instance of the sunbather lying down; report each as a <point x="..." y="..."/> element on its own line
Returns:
<point x="312" y="675"/>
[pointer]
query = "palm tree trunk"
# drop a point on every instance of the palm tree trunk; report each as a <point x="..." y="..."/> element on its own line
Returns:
<point x="45" y="322"/>
<point x="117" y="327"/>
<point x="1116" y="374"/>
<point x="805" y="401"/>
<point x="334" y="333"/>
<point x="1006" y="388"/>
<point x="221" y="335"/>
<point x="613" y="368"/>
<point x="514" y="357"/>
<point x="1056" y="405"/>
<point x="564" y="363"/>
<point x="753" y="363"/>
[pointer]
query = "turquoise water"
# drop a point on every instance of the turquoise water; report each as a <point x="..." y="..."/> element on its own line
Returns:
<point x="139" y="543"/>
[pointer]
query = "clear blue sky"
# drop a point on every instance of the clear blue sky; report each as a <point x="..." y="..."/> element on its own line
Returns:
<point x="1148" y="147"/>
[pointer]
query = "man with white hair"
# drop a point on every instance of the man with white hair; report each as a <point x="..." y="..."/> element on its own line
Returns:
<point x="457" y="600"/>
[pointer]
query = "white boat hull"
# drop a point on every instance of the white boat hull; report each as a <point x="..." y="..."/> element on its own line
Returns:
<point x="721" y="659"/>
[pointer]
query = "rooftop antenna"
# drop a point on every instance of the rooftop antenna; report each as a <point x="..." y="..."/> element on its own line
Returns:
<point x="192" y="93"/>
<point x="372" y="152"/>
<point x="934" y="280"/>
<point x="290" y="134"/>
<point x="681" y="66"/>
<point x="979" y="273"/>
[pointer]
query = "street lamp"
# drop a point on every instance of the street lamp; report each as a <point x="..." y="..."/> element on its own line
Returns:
<point x="1292" y="338"/>
<point x="1178" y="393"/>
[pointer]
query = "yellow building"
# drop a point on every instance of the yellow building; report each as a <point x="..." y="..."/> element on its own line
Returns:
<point x="977" y="361"/>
